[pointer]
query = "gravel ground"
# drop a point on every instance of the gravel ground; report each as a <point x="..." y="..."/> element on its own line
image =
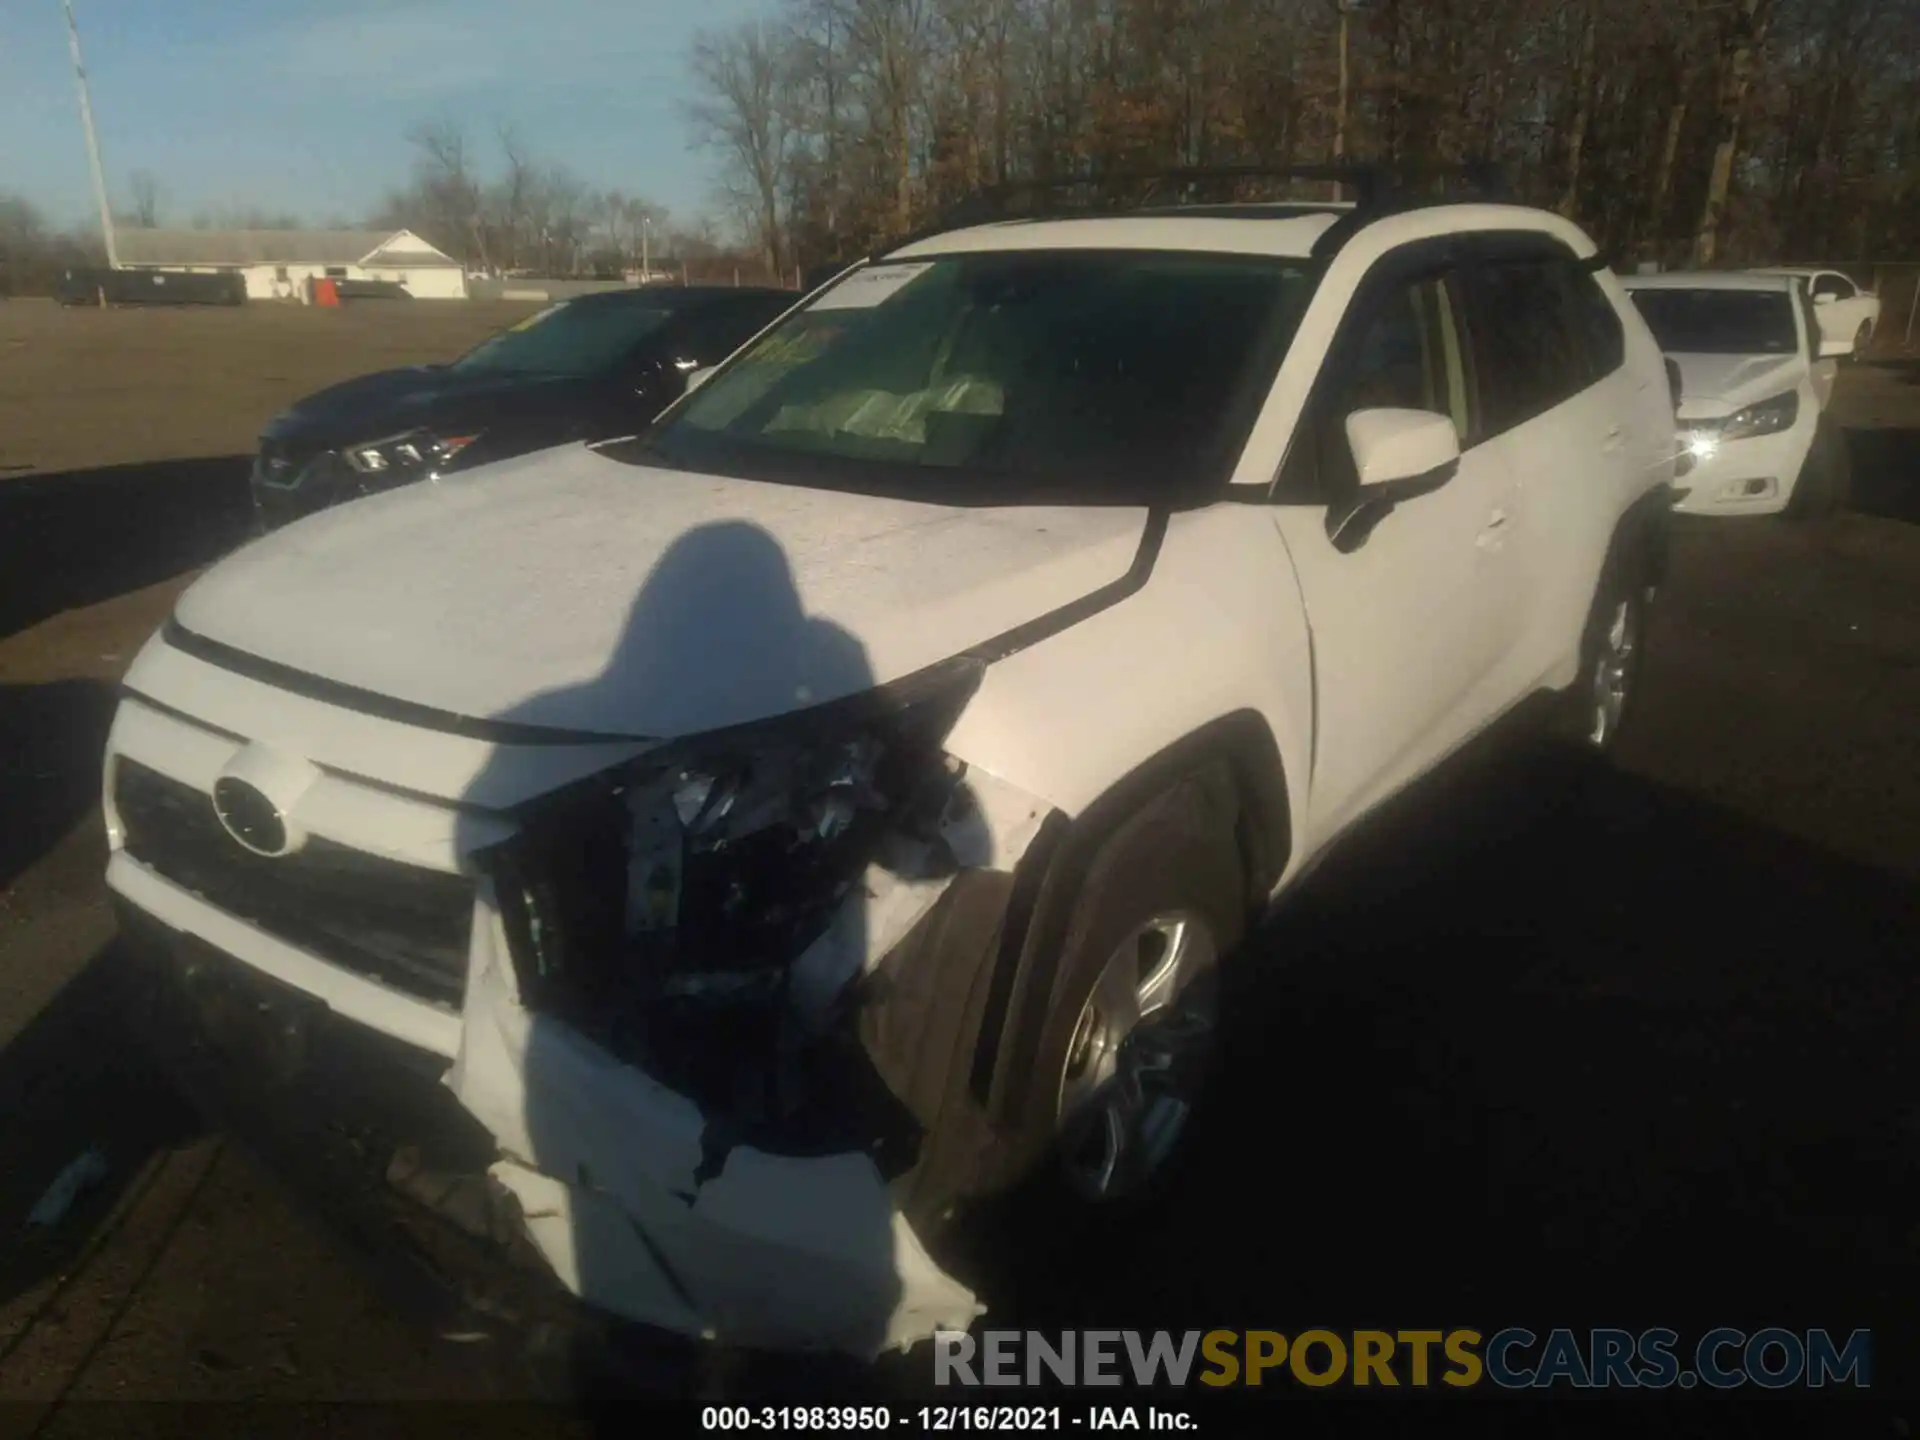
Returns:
<point x="1635" y="1050"/>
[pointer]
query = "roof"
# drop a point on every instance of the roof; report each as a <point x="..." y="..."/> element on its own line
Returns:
<point x="1792" y="270"/>
<point x="272" y="247"/>
<point x="1709" y="280"/>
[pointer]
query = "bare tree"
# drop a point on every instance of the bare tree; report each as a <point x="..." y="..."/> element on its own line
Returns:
<point x="445" y="196"/>
<point x="146" y="200"/>
<point x="33" y="253"/>
<point x="1741" y="40"/>
<point x="745" y="112"/>
<point x="243" y="217"/>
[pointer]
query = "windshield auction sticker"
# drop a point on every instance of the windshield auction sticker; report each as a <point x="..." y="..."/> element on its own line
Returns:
<point x="866" y="288"/>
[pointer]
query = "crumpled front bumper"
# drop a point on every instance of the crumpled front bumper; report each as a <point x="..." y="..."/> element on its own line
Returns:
<point x="642" y="1206"/>
<point x="621" y="1186"/>
<point x="639" y="1201"/>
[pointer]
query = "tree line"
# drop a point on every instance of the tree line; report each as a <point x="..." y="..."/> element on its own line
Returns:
<point x="34" y="251"/>
<point x="1678" y="131"/>
<point x="497" y="207"/>
<point x="506" y="210"/>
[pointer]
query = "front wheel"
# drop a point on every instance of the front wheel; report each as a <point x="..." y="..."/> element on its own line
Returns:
<point x="1139" y="1057"/>
<point x="1130" y="1044"/>
<point x="1598" y="707"/>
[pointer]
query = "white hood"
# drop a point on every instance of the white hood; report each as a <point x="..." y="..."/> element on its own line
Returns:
<point x="1716" y="385"/>
<point x="570" y="590"/>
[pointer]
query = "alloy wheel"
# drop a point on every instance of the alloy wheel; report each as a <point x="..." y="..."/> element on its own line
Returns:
<point x="1613" y="674"/>
<point x="1139" y="1055"/>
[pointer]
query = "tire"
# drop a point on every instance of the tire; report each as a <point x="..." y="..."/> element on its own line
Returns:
<point x="1600" y="705"/>
<point x="1113" y="1095"/>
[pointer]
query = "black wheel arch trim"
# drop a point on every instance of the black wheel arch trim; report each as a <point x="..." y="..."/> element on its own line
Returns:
<point x="1048" y="877"/>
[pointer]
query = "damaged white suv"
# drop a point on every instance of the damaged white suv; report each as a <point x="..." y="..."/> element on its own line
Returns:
<point x="836" y="804"/>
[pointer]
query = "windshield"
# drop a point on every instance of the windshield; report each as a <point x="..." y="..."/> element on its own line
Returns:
<point x="574" y="338"/>
<point x="1720" y="322"/>
<point x="1083" y="375"/>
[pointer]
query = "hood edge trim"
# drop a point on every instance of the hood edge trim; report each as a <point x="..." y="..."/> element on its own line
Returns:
<point x="371" y="702"/>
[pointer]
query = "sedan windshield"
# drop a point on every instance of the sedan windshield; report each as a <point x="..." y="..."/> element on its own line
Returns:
<point x="575" y="338"/>
<point x="1720" y="322"/>
<point x="1080" y="375"/>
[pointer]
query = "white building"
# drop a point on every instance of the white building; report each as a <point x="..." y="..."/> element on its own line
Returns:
<point x="279" y="262"/>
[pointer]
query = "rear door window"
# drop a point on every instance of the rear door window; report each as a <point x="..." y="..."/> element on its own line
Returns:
<point x="1529" y="349"/>
<point x="1605" y="339"/>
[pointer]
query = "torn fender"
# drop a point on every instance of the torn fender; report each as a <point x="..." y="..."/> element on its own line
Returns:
<point x="987" y="825"/>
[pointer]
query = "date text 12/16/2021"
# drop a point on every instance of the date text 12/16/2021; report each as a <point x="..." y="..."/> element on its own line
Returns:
<point x="941" y="1419"/>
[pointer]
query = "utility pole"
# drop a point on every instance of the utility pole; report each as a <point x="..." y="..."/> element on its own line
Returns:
<point x="93" y="143"/>
<point x="646" y="249"/>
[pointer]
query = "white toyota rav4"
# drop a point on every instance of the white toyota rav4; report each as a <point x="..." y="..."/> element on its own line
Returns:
<point x="836" y="804"/>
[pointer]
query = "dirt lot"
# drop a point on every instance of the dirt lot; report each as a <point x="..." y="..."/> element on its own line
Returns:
<point x="1636" y="1051"/>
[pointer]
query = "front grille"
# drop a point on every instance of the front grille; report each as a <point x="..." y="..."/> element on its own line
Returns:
<point x="400" y="924"/>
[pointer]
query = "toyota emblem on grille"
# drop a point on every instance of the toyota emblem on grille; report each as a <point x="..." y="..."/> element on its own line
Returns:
<point x="249" y="816"/>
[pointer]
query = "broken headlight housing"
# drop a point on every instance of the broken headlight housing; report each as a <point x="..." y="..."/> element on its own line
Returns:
<point x="659" y="908"/>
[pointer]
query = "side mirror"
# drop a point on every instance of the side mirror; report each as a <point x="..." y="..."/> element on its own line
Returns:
<point x="1674" y="381"/>
<point x="1398" y="455"/>
<point x="1834" y="347"/>
<point x="1823" y="299"/>
<point x="1402" y="453"/>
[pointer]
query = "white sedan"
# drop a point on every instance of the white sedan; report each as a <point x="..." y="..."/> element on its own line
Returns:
<point x="1756" y="372"/>
<point x="1847" y="312"/>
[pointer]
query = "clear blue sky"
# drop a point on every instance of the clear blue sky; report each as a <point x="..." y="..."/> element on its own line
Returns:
<point x="303" y="105"/>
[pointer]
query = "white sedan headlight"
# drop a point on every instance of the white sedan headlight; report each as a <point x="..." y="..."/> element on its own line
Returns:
<point x="1766" y="417"/>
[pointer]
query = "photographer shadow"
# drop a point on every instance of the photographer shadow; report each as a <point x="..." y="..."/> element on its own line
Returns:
<point x="650" y="1206"/>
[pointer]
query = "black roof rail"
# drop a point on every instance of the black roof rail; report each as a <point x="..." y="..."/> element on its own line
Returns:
<point x="996" y="201"/>
<point x="1380" y="188"/>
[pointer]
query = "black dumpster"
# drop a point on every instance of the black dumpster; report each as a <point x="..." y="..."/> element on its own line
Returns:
<point x="88" y="286"/>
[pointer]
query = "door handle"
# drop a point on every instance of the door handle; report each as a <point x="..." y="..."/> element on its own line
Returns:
<point x="1613" y="440"/>
<point x="1495" y="523"/>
